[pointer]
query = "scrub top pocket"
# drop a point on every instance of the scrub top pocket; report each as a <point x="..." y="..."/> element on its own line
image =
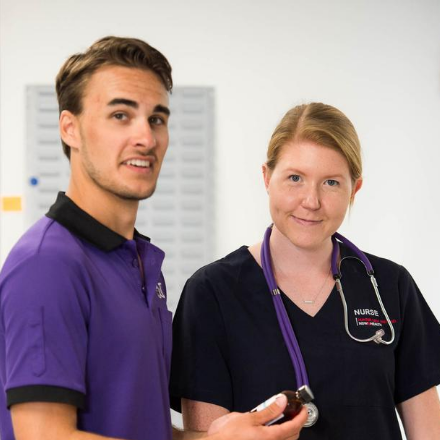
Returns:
<point x="368" y="375"/>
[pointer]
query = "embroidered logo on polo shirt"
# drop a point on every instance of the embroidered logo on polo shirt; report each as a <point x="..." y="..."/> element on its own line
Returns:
<point x="159" y="291"/>
<point x="369" y="317"/>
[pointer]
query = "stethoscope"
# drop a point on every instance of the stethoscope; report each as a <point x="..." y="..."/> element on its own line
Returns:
<point x="286" y="326"/>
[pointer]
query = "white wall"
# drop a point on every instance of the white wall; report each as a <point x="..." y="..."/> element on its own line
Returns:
<point x="378" y="61"/>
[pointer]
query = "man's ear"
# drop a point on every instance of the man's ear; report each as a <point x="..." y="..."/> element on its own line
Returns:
<point x="69" y="129"/>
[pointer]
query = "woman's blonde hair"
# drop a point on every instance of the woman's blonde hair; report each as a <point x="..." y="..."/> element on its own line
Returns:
<point x="322" y="124"/>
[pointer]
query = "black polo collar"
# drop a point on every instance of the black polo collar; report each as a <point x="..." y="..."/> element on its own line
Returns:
<point x="78" y="222"/>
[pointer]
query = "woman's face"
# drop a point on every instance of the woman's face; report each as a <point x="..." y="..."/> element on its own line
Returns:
<point x="309" y="190"/>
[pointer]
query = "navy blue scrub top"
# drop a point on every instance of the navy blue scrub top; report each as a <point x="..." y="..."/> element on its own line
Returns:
<point x="228" y="349"/>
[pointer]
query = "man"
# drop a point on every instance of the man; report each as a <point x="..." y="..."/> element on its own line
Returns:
<point x="85" y="331"/>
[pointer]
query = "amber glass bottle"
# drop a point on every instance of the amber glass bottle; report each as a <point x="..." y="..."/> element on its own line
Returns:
<point x="295" y="401"/>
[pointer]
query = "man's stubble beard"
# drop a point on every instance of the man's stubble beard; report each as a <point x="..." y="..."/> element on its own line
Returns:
<point x="110" y="186"/>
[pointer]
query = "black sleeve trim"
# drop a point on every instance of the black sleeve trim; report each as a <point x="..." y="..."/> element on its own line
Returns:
<point x="45" y="393"/>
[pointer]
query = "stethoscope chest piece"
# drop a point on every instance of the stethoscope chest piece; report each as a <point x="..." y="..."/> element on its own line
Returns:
<point x="312" y="414"/>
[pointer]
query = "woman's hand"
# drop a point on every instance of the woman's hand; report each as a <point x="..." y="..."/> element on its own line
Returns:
<point x="250" y="426"/>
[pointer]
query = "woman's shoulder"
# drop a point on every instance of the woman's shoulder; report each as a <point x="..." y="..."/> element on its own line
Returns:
<point x="380" y="264"/>
<point x="228" y="266"/>
<point x="215" y="279"/>
<point x="390" y="274"/>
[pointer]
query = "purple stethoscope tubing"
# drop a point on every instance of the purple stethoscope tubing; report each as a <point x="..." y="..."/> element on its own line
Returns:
<point x="335" y="252"/>
<point x="283" y="319"/>
<point x="285" y="325"/>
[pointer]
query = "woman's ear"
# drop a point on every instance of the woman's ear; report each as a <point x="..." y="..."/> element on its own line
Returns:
<point x="69" y="130"/>
<point x="266" y="175"/>
<point x="356" y="187"/>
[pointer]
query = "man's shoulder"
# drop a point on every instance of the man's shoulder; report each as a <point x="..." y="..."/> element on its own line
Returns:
<point x="45" y="240"/>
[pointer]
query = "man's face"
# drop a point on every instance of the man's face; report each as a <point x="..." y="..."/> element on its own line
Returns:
<point x="122" y="133"/>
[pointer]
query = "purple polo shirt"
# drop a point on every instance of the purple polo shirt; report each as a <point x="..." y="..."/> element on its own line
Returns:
<point x="79" y="326"/>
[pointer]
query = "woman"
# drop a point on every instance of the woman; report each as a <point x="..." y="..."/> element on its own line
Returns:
<point x="229" y="351"/>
